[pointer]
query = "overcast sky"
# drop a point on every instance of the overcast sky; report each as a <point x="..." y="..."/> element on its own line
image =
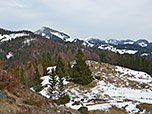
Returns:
<point x="104" y="19"/>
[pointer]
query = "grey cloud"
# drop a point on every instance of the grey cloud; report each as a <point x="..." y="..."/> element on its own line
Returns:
<point x="120" y="19"/>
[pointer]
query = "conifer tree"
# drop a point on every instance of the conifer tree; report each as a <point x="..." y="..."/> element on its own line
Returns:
<point x="44" y="64"/>
<point x="60" y="66"/>
<point x="53" y="82"/>
<point x="81" y="73"/>
<point x="49" y="59"/>
<point x="37" y="80"/>
<point x="69" y="69"/>
<point x="60" y="71"/>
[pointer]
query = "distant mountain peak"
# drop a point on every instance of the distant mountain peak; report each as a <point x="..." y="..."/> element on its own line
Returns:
<point x="51" y="33"/>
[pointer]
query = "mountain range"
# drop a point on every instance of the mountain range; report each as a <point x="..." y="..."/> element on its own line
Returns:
<point x="121" y="72"/>
<point x="14" y="44"/>
<point x="140" y="47"/>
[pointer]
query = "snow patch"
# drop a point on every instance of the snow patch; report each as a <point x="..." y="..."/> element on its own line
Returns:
<point x="58" y="35"/>
<point x="108" y="94"/>
<point x="142" y="44"/>
<point x="9" y="55"/>
<point x="113" y="49"/>
<point x="28" y="41"/>
<point x="7" y="37"/>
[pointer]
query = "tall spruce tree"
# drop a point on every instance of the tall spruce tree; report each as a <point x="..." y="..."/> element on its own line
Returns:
<point x="44" y="64"/>
<point x="81" y="73"/>
<point x="60" y="71"/>
<point x="37" y="80"/>
<point x="49" y="59"/>
<point x="53" y="82"/>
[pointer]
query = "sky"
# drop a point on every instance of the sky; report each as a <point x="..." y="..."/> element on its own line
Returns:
<point x="103" y="19"/>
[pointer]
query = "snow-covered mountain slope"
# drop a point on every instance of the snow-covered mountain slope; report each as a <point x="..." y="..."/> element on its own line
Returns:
<point x="139" y="47"/>
<point x="7" y="37"/>
<point x="114" y="49"/>
<point x="52" y="34"/>
<point x="120" y="87"/>
<point x="118" y="46"/>
<point x="143" y="43"/>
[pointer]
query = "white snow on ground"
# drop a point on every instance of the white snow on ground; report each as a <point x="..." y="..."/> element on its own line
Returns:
<point x="45" y="83"/>
<point x="9" y="55"/>
<point x="28" y="41"/>
<point x="50" y="69"/>
<point x="32" y="89"/>
<point x="6" y="37"/>
<point x="58" y="35"/>
<point x="69" y="40"/>
<point x="44" y="92"/>
<point x="144" y="54"/>
<point x="45" y="80"/>
<point x="108" y="93"/>
<point x="113" y="49"/>
<point x="124" y="51"/>
<point x="142" y="44"/>
<point x="129" y="42"/>
<point x="88" y="44"/>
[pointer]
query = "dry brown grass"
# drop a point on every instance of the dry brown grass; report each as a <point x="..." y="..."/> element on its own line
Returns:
<point x="145" y="106"/>
<point x="112" y="110"/>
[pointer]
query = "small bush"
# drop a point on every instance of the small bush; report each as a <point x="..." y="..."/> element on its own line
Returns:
<point x="63" y="100"/>
<point x="76" y="103"/>
<point x="83" y="110"/>
<point x="32" y="102"/>
<point x="37" y="88"/>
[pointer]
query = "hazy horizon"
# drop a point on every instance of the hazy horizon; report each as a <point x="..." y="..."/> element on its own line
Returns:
<point x="112" y="19"/>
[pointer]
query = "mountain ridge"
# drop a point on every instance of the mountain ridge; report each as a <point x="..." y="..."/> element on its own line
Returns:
<point x="138" y="47"/>
<point x="51" y="33"/>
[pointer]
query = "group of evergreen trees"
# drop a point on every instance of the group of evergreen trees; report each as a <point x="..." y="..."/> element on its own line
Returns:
<point x="57" y="90"/>
<point x="56" y="79"/>
<point x="136" y="63"/>
<point x="79" y="74"/>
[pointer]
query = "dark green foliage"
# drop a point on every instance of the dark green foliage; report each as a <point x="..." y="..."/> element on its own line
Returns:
<point x="63" y="99"/>
<point x="136" y="63"/>
<point x="44" y="64"/>
<point x="69" y="69"/>
<point x="81" y="73"/>
<point x="49" y="59"/>
<point x="52" y="84"/>
<point x="37" y="81"/>
<point x="60" y="71"/>
<point x="150" y="67"/>
<point x="76" y="103"/>
<point x="83" y="110"/>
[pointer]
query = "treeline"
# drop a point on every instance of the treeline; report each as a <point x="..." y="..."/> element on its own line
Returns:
<point x="136" y="62"/>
